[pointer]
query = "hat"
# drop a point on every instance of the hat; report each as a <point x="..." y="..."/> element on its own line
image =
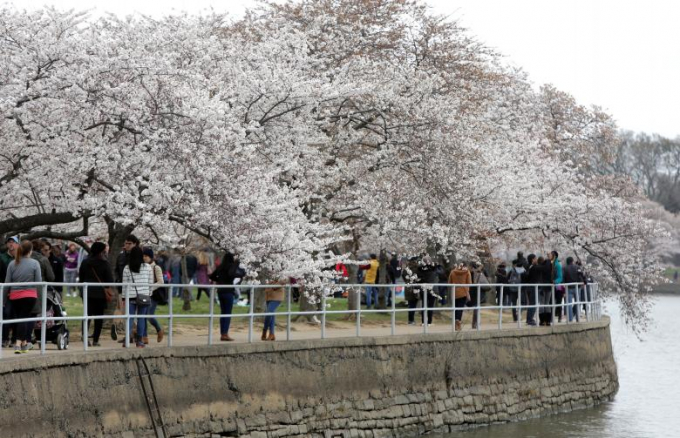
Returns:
<point x="14" y="239"/>
<point x="97" y="248"/>
<point x="148" y="252"/>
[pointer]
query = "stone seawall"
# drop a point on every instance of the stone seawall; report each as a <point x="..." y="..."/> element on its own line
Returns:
<point x="353" y="387"/>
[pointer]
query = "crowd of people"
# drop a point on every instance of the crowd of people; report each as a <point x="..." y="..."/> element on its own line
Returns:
<point x="145" y="274"/>
<point x="547" y="273"/>
<point x="142" y="273"/>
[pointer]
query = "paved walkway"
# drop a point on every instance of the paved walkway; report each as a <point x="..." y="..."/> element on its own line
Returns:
<point x="190" y="336"/>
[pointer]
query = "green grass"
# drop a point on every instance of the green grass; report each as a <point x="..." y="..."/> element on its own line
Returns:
<point x="74" y="307"/>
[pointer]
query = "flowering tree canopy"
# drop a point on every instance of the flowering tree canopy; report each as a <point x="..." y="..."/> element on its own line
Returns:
<point x="302" y="133"/>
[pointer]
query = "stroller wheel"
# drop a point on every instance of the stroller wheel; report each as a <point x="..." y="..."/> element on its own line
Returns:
<point x="62" y="341"/>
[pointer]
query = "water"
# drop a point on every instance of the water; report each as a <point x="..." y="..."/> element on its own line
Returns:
<point x="648" y="402"/>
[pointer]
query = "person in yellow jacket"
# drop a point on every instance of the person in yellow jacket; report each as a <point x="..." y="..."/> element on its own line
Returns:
<point x="371" y="277"/>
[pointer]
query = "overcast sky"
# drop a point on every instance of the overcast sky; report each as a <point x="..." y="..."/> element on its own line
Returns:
<point x="622" y="55"/>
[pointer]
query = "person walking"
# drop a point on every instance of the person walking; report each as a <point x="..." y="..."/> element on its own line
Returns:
<point x="459" y="277"/>
<point x="273" y="298"/>
<point x="95" y="269"/>
<point x="159" y="294"/>
<point x="557" y="280"/>
<point x="56" y="263"/>
<point x="427" y="272"/>
<point x="393" y="274"/>
<point x="534" y="275"/>
<point x="544" y="271"/>
<point x="514" y="291"/>
<point x="411" y="293"/>
<point x="478" y="292"/>
<point x="23" y="269"/>
<point x="227" y="274"/>
<point x="9" y="331"/>
<point x="573" y="278"/>
<point x="370" y="279"/>
<point x="138" y="277"/>
<point x="71" y="269"/>
<point x="501" y="278"/>
<point x="122" y="261"/>
<point x="202" y="273"/>
<point x="46" y="274"/>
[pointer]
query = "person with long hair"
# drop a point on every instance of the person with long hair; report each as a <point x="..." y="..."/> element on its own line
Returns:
<point x="137" y="277"/>
<point x="274" y="295"/>
<point x="202" y="274"/>
<point x="229" y="274"/>
<point x="96" y="269"/>
<point x="159" y="295"/>
<point x="23" y="269"/>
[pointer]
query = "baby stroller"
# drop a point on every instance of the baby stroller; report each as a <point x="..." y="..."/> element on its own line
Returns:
<point x="56" y="331"/>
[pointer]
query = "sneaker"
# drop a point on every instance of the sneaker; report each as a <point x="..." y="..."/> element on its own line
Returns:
<point x="531" y="323"/>
<point x="6" y="344"/>
<point x="114" y="332"/>
<point x="141" y="345"/>
<point x="26" y="348"/>
<point x="17" y="350"/>
<point x="411" y="323"/>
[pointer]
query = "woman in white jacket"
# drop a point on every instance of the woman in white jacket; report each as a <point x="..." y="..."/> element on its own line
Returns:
<point x="137" y="277"/>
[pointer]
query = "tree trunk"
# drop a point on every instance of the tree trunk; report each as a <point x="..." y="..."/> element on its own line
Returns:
<point x="382" y="279"/>
<point x="117" y="235"/>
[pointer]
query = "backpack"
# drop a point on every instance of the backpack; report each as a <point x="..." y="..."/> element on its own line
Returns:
<point x="160" y="295"/>
<point x="514" y="277"/>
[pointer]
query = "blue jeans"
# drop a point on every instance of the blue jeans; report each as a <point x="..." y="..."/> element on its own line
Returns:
<point x="226" y="306"/>
<point x="152" y="311"/>
<point x="269" y="321"/>
<point x="371" y="296"/>
<point x="141" y="322"/>
<point x="572" y="297"/>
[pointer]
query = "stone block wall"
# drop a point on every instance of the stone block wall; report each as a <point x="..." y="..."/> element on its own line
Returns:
<point x="398" y="386"/>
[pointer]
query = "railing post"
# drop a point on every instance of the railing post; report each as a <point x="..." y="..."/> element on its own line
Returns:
<point x="128" y="329"/>
<point x="552" y="309"/>
<point x="86" y="331"/>
<point x="568" y="309"/>
<point x="323" y="314"/>
<point x="211" y="294"/>
<point x="288" y="316"/>
<point x="500" y="308"/>
<point x="519" y="306"/>
<point x="43" y="327"/>
<point x="170" y="318"/>
<point x="393" y="293"/>
<point x="359" y="312"/>
<point x="536" y="314"/>
<point x="251" y="294"/>
<point x="478" y="309"/>
<point x="453" y="307"/>
<point x="424" y="314"/>
<point x="2" y="307"/>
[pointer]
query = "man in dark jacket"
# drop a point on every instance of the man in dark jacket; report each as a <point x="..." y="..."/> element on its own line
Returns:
<point x="393" y="273"/>
<point x="95" y="269"/>
<point x="537" y="273"/>
<point x="130" y="242"/>
<point x="573" y="274"/>
<point x="411" y="294"/>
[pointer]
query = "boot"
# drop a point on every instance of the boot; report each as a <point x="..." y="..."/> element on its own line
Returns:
<point x="145" y="340"/>
<point x="459" y="326"/>
<point x="474" y="320"/>
<point x="271" y="337"/>
<point x="159" y="335"/>
<point x="226" y="338"/>
<point x="264" y="334"/>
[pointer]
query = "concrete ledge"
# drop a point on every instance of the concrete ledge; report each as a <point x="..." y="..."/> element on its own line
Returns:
<point x="390" y="386"/>
<point x="19" y="364"/>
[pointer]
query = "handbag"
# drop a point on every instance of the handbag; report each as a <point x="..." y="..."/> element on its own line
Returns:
<point x="108" y="293"/>
<point x="140" y="300"/>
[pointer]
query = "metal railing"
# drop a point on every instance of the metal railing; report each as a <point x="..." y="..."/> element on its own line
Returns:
<point x="576" y="295"/>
